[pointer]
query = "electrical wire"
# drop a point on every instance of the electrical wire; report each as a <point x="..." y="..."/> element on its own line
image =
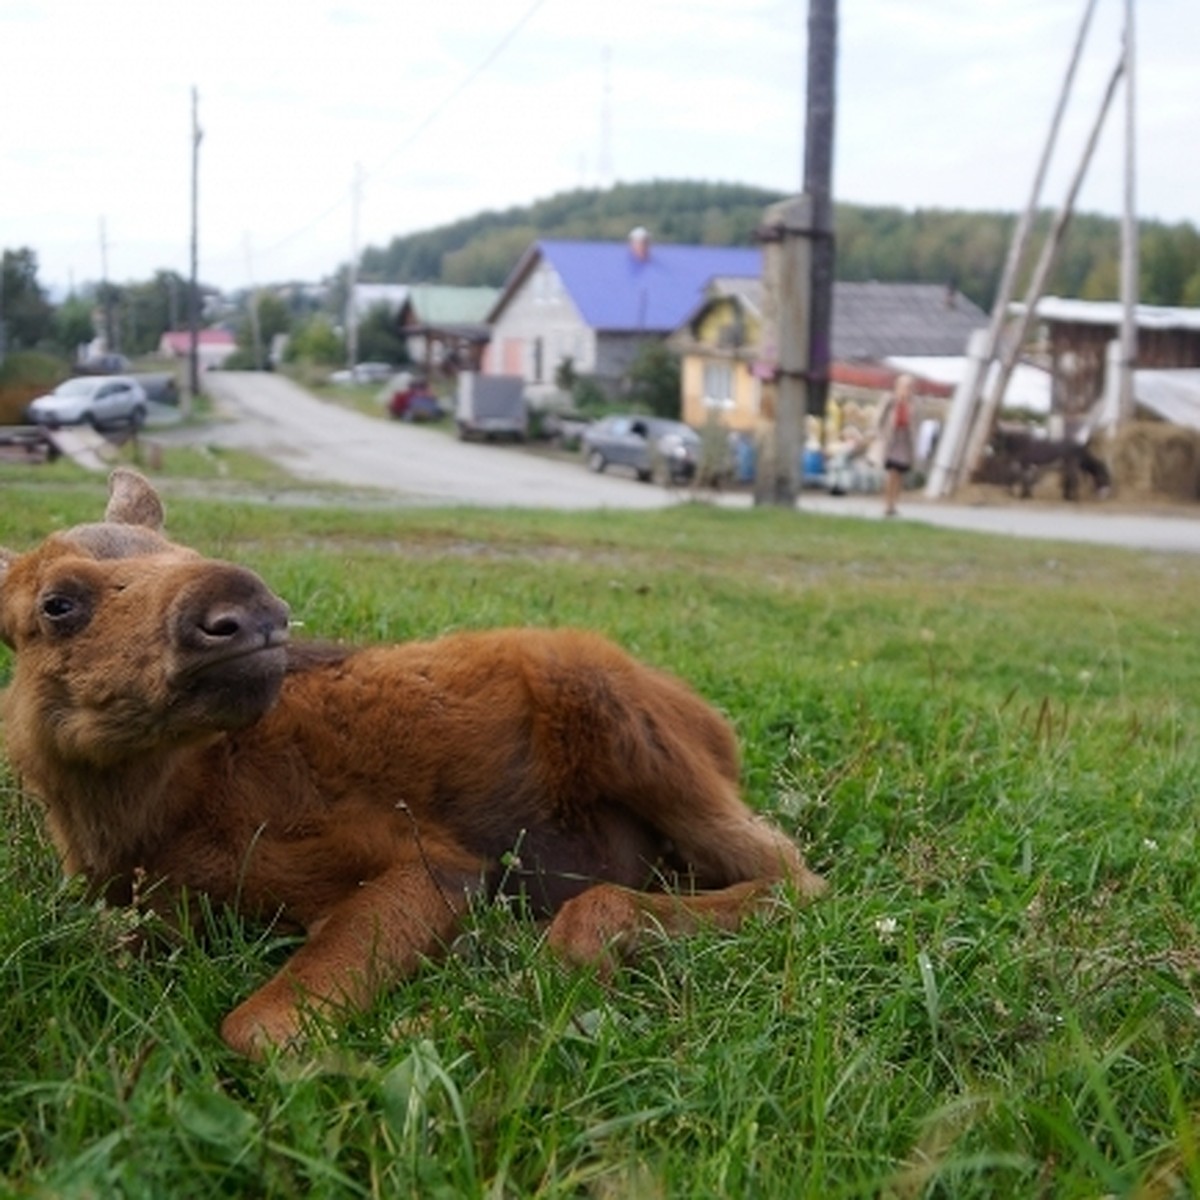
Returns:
<point x="421" y="127"/>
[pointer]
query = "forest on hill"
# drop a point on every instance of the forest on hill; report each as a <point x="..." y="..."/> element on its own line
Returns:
<point x="889" y="244"/>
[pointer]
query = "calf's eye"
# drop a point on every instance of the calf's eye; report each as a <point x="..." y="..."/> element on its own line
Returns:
<point x="57" y="606"/>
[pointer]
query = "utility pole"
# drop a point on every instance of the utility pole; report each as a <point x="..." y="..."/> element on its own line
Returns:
<point x="110" y="331"/>
<point x="946" y="474"/>
<point x="1037" y="285"/>
<point x="798" y="253"/>
<point x="818" y="183"/>
<point x="193" y="388"/>
<point x="255" y="327"/>
<point x="604" y="159"/>
<point x="352" y="275"/>
<point x="1129" y="238"/>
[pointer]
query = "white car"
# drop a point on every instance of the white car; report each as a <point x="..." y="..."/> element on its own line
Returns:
<point x="98" y="400"/>
<point x="364" y="372"/>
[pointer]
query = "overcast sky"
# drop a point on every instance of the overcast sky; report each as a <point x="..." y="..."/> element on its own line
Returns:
<point x="459" y="106"/>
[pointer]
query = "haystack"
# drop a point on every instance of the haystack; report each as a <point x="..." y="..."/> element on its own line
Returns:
<point x="1154" y="460"/>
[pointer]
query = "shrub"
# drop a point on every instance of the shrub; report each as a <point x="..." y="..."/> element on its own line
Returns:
<point x="23" y="376"/>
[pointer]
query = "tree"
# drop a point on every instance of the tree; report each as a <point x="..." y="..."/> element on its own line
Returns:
<point x="266" y="316"/>
<point x="26" y="318"/>
<point x="654" y="380"/>
<point x="146" y="310"/>
<point x="73" y="325"/>
<point x="378" y="339"/>
<point x="316" y="342"/>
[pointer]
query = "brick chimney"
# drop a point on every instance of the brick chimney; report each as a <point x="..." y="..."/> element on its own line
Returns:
<point x="639" y="243"/>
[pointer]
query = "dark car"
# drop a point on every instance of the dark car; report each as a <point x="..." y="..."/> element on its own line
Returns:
<point x="652" y="447"/>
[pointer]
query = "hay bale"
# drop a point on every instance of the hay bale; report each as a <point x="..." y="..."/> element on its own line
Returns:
<point x="1153" y="459"/>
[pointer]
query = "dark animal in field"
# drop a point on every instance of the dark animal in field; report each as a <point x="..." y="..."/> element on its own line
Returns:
<point x="180" y="742"/>
<point x="1020" y="458"/>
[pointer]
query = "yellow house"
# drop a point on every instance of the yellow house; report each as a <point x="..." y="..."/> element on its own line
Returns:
<point x="718" y="348"/>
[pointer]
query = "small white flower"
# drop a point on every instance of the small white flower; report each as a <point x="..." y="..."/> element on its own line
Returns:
<point x="886" y="927"/>
<point x="1149" y="844"/>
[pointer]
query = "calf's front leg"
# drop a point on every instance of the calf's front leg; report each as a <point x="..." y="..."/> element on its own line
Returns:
<point x="368" y="941"/>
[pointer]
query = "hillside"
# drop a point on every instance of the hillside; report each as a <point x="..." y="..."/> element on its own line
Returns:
<point x="890" y="244"/>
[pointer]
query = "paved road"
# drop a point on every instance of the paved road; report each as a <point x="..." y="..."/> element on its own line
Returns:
<point x="325" y="443"/>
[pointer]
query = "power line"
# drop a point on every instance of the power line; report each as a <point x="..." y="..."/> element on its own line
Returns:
<point x="422" y="126"/>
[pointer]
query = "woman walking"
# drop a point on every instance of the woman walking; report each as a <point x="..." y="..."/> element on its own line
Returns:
<point x="896" y="433"/>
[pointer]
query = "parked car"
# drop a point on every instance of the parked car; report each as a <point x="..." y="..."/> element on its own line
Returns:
<point x="415" y="402"/>
<point x="104" y="364"/>
<point x="96" y="400"/>
<point x="653" y="447"/>
<point x="364" y="372"/>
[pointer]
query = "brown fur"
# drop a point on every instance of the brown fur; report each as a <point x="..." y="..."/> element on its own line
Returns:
<point x="361" y="796"/>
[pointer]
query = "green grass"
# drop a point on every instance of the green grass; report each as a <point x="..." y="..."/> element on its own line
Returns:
<point x="989" y="746"/>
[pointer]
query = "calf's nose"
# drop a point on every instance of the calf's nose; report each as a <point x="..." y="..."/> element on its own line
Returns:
<point x="228" y="609"/>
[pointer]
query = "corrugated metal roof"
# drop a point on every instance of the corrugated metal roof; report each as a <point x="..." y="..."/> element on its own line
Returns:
<point x="1111" y="313"/>
<point x="874" y="320"/>
<point x="441" y="304"/>
<point x="1172" y="395"/>
<point x="615" y="291"/>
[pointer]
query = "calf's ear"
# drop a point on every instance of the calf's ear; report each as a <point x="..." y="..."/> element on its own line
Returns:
<point x="132" y="500"/>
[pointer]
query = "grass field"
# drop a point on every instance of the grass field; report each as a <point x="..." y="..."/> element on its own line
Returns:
<point x="990" y="747"/>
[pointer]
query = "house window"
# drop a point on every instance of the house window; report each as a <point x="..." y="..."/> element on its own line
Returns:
<point x="718" y="385"/>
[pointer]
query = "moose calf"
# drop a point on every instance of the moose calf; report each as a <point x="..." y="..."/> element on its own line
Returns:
<point x="363" y="796"/>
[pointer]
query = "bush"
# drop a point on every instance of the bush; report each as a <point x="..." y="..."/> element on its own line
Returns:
<point x="587" y="395"/>
<point x="24" y="376"/>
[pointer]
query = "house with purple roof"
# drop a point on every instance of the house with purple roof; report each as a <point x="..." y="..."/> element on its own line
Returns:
<point x="596" y="303"/>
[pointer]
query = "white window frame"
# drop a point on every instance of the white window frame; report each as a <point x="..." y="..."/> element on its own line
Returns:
<point x="717" y="387"/>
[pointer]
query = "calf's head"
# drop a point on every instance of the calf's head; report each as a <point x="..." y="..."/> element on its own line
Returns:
<point x="125" y="642"/>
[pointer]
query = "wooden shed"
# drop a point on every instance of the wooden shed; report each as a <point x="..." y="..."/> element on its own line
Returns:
<point x="1077" y="333"/>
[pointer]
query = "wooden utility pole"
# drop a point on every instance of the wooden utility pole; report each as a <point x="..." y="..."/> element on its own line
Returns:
<point x="798" y="255"/>
<point x="1129" y="238"/>
<point x="818" y="183"/>
<point x="193" y="388"/>
<point x="1037" y="285"/>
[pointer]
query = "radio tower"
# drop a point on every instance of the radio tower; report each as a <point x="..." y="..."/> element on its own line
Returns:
<point x="604" y="165"/>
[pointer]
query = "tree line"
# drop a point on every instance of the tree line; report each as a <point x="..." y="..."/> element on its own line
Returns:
<point x="889" y="244"/>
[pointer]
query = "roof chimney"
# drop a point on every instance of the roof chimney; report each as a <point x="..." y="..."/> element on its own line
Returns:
<point x="639" y="243"/>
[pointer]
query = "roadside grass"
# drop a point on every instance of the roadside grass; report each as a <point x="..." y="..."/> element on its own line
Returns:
<point x="990" y="747"/>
